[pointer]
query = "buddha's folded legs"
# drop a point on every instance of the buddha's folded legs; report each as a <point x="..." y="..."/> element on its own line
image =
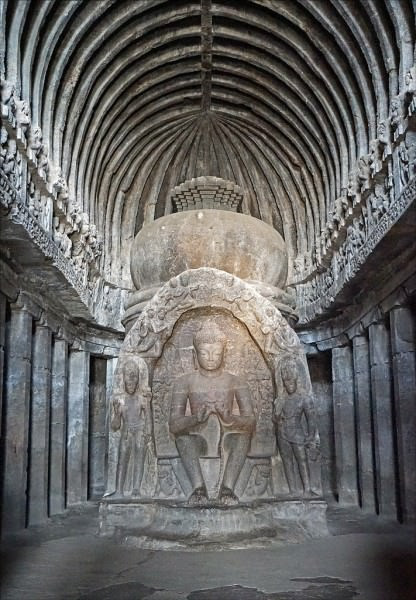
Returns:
<point x="190" y="448"/>
<point x="236" y="446"/>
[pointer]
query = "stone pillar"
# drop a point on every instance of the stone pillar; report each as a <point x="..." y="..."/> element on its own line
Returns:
<point x="381" y="392"/>
<point x="111" y="448"/>
<point x="97" y="429"/>
<point x="77" y="426"/>
<point x="344" y="426"/>
<point x="362" y="390"/>
<point x="402" y="329"/>
<point x="39" y="425"/>
<point x="320" y="372"/>
<point x="17" y="399"/>
<point x="110" y="369"/>
<point x="59" y="395"/>
<point x="3" y="305"/>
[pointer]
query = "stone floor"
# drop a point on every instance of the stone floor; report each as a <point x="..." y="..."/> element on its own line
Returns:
<point x="365" y="558"/>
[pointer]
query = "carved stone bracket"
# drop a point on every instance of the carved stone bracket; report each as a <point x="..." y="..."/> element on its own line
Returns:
<point x="20" y="214"/>
<point x="9" y="193"/>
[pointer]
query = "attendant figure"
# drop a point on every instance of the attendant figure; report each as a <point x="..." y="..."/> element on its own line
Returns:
<point x="297" y="432"/>
<point x="131" y="417"/>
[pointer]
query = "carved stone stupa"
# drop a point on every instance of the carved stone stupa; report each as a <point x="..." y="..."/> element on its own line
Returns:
<point x="214" y="438"/>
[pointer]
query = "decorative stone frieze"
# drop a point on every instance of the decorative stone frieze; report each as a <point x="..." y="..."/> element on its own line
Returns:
<point x="101" y="299"/>
<point x="370" y="193"/>
<point x="46" y="196"/>
<point x="381" y="212"/>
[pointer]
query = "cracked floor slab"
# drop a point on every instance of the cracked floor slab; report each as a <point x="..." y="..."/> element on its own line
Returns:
<point x="317" y="592"/>
<point x="66" y="560"/>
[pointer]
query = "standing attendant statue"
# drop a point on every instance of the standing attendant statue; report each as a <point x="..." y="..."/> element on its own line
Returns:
<point x="297" y="433"/>
<point x="211" y="390"/>
<point x="131" y="416"/>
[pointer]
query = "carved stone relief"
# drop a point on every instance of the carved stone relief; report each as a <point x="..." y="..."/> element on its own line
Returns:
<point x="131" y="429"/>
<point x="371" y="193"/>
<point x="47" y="195"/>
<point x="22" y="144"/>
<point x="297" y="428"/>
<point x="381" y="211"/>
<point x="210" y="350"/>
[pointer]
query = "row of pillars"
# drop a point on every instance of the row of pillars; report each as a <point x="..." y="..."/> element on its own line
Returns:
<point x="47" y="406"/>
<point x="374" y="401"/>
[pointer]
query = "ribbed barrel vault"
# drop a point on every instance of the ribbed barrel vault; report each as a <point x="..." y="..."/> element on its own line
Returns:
<point x="135" y="97"/>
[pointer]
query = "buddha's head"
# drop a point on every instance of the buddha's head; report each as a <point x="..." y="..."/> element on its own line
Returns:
<point x="131" y="376"/>
<point x="209" y="344"/>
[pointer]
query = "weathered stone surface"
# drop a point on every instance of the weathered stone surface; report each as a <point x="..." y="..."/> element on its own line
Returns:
<point x="77" y="427"/>
<point x="235" y="243"/>
<point x="16" y="425"/>
<point x="97" y="148"/>
<point x="155" y="526"/>
<point x="207" y="192"/>
<point x="48" y="560"/>
<point x="382" y="398"/>
<point x="321" y="379"/>
<point x="402" y="327"/>
<point x="220" y="419"/>
<point x="209" y="375"/>
<point x="363" y="406"/>
<point x="58" y="424"/>
<point x="97" y="428"/>
<point x="38" y="472"/>
<point x="344" y="425"/>
<point x="211" y="291"/>
<point x="3" y="303"/>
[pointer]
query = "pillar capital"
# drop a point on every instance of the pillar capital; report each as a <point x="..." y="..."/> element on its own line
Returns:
<point x="395" y="300"/>
<point x="25" y="303"/>
<point x="339" y="341"/>
<point x="356" y="331"/>
<point x="47" y="321"/>
<point x="375" y="315"/>
<point x="78" y="345"/>
<point x="402" y="329"/>
<point x="63" y="333"/>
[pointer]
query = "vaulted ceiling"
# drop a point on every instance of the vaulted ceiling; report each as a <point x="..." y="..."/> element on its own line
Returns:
<point x="279" y="96"/>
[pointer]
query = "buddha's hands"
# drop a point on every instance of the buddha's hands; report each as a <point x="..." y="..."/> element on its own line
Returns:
<point x="239" y="423"/>
<point x="202" y="413"/>
<point x="183" y="425"/>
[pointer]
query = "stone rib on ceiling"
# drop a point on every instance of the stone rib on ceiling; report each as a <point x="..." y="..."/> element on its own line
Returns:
<point x="135" y="97"/>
